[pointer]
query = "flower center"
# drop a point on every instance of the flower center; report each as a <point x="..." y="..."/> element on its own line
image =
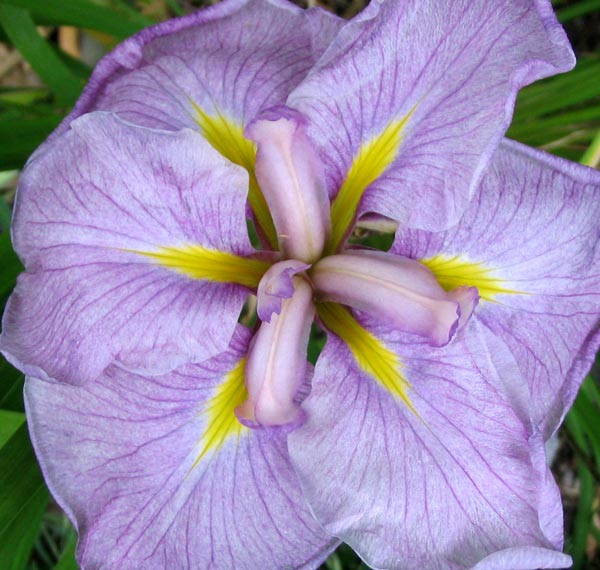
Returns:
<point x="395" y="290"/>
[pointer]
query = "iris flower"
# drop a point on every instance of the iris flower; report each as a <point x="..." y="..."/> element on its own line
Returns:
<point x="174" y="437"/>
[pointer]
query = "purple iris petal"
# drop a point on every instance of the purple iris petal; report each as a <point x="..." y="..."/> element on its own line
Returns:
<point x="396" y="290"/>
<point x="522" y="558"/>
<point x="535" y="221"/>
<point x="291" y="177"/>
<point x="276" y="367"/>
<point x="465" y="480"/>
<point x="417" y="456"/>
<point x="457" y="66"/>
<point x="237" y="57"/>
<point x="275" y="286"/>
<point x="97" y="192"/>
<point x="119" y="455"/>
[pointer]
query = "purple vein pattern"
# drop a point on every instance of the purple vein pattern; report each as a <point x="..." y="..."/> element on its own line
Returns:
<point x="131" y="365"/>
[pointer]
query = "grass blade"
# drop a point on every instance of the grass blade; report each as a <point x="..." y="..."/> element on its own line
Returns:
<point x="87" y="15"/>
<point x="20" y="28"/>
<point x="20" y="137"/>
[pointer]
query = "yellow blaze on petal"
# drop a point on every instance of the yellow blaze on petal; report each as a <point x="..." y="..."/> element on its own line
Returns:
<point x="221" y="422"/>
<point x="209" y="264"/>
<point x="227" y="136"/>
<point x="372" y="356"/>
<point x="371" y="161"/>
<point x="455" y="271"/>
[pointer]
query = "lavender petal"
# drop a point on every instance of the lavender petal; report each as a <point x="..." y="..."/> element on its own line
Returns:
<point x="452" y="69"/>
<point x="535" y="221"/>
<point x="94" y="195"/>
<point x="118" y="455"/>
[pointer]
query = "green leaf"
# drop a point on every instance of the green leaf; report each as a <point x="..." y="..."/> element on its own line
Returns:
<point x="316" y="343"/>
<point x="591" y="157"/>
<point x="20" y="28"/>
<point x="67" y="560"/>
<point x="76" y="66"/>
<point x="10" y="422"/>
<point x="562" y="113"/>
<point x="582" y="425"/>
<point x="5" y="214"/>
<point x="11" y="380"/>
<point x="17" y="542"/>
<point x="85" y="14"/>
<point x="583" y="518"/>
<point x="11" y="266"/>
<point x="578" y="9"/>
<point x="23" y="96"/>
<point x="20" y="479"/>
<point x="556" y="93"/>
<point x="15" y="150"/>
<point x="334" y="562"/>
<point x="11" y="387"/>
<point x="566" y="121"/>
<point x="583" y="422"/>
<point x="176" y="8"/>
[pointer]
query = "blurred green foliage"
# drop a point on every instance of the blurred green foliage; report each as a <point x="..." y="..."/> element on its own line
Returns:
<point x="560" y="114"/>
